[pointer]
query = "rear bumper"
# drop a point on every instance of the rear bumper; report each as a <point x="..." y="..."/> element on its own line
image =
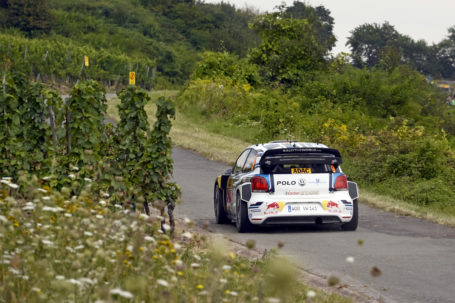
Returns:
<point x="296" y="220"/>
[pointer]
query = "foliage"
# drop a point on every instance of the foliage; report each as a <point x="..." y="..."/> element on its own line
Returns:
<point x="65" y="60"/>
<point x="289" y="47"/>
<point x="374" y="45"/>
<point x="30" y="16"/>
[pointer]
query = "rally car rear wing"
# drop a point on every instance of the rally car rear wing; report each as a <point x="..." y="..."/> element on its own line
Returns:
<point x="300" y="155"/>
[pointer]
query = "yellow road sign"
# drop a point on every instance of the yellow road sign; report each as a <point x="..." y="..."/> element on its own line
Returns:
<point x="86" y="60"/>
<point x="132" y="78"/>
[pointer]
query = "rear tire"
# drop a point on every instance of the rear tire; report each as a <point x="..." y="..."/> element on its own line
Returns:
<point x="220" y="213"/>
<point x="242" y="222"/>
<point x="352" y="225"/>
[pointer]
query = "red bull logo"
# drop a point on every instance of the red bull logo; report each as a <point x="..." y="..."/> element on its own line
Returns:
<point x="273" y="205"/>
<point x="330" y="205"/>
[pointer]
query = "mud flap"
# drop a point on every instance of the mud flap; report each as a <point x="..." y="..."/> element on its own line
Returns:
<point x="353" y="190"/>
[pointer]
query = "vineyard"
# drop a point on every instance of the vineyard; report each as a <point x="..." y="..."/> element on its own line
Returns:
<point x="64" y="61"/>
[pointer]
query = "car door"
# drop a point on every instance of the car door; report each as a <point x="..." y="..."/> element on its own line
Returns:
<point x="234" y="180"/>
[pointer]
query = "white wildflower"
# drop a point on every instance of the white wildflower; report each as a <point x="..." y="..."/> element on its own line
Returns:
<point x="202" y="293"/>
<point x="118" y="206"/>
<point x="273" y="300"/>
<point x="311" y="294"/>
<point x="79" y="247"/>
<point x="187" y="220"/>
<point x="75" y="168"/>
<point x="46" y="198"/>
<point x="6" y="178"/>
<point x="59" y="277"/>
<point x="149" y="239"/>
<point x="162" y="282"/>
<point x="222" y="281"/>
<point x="177" y="246"/>
<point x="53" y="209"/>
<point x="197" y="257"/>
<point x="187" y="235"/>
<point x="179" y="262"/>
<point x="161" y="218"/>
<point x="14" y="271"/>
<point x="233" y="293"/>
<point x="160" y="231"/>
<point x="226" y="267"/>
<point x="68" y="215"/>
<point x="105" y="195"/>
<point x="47" y="178"/>
<point x="350" y="260"/>
<point x="88" y="179"/>
<point x="121" y="293"/>
<point x="72" y="176"/>
<point x="143" y="216"/>
<point x="174" y="279"/>
<point x="25" y="277"/>
<point x="13" y="185"/>
<point x="102" y="203"/>
<point x="99" y="216"/>
<point x="195" y="265"/>
<point x="88" y="234"/>
<point x="3" y="219"/>
<point x="42" y="190"/>
<point x="5" y="181"/>
<point x="36" y="289"/>
<point x="47" y="242"/>
<point x="166" y="227"/>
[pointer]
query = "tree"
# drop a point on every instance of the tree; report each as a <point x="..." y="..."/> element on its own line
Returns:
<point x="289" y="47"/>
<point x="30" y="16"/>
<point x="368" y="43"/>
<point x="318" y="16"/>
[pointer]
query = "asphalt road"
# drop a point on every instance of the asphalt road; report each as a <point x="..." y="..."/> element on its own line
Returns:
<point x="416" y="257"/>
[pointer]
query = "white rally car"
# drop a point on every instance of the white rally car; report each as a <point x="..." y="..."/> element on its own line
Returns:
<point x="284" y="182"/>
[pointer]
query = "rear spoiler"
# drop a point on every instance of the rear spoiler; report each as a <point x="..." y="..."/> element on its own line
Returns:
<point x="326" y="155"/>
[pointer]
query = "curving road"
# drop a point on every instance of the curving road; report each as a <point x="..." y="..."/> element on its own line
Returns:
<point x="416" y="257"/>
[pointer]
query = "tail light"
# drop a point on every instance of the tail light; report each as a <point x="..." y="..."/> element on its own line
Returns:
<point x="341" y="183"/>
<point x="259" y="184"/>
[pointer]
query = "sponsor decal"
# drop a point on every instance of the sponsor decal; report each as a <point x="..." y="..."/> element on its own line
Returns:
<point x="305" y="170"/>
<point x="250" y="215"/>
<point x="331" y="206"/>
<point x="302" y="182"/>
<point x="255" y="210"/>
<point x="304" y="193"/>
<point x="274" y="208"/>
<point x="255" y="205"/>
<point x="289" y="208"/>
<point x="286" y="183"/>
<point x="348" y="207"/>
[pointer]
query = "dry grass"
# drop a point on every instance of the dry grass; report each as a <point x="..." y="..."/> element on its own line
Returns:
<point x="404" y="208"/>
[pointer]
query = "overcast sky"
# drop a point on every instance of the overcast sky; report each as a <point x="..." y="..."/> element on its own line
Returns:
<point x="419" y="19"/>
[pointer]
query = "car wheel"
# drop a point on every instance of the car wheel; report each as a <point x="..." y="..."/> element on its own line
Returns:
<point x="220" y="213"/>
<point x="352" y="225"/>
<point x="242" y="222"/>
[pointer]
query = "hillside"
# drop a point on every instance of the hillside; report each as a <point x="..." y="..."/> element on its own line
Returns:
<point x="168" y="34"/>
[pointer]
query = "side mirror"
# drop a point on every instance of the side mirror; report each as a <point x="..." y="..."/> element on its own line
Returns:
<point x="228" y="171"/>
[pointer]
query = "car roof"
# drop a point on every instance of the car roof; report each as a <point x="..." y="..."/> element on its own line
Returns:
<point x="285" y="144"/>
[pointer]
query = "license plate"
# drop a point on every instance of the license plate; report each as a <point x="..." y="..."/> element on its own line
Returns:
<point x="302" y="208"/>
<point x="305" y="170"/>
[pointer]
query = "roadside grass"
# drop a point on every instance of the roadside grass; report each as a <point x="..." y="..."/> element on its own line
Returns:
<point x="217" y="141"/>
<point x="59" y="247"/>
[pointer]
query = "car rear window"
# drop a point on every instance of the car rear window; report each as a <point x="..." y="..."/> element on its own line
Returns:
<point x="292" y="164"/>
